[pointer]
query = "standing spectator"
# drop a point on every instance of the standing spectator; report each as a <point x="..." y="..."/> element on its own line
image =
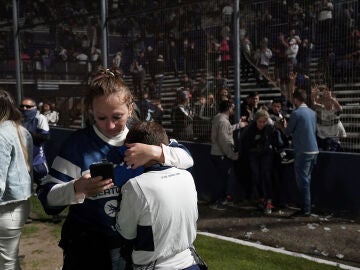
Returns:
<point x="148" y="111"/>
<point x="281" y="60"/>
<point x="191" y="59"/>
<point x="138" y="77"/>
<point x="38" y="127"/>
<point x="262" y="57"/>
<point x="277" y="117"/>
<point x="219" y="82"/>
<point x="38" y="65"/>
<point x="150" y="203"/>
<point x="202" y="123"/>
<point x="225" y="57"/>
<point x="222" y="95"/>
<point x="280" y="156"/>
<point x="246" y="55"/>
<point x="211" y="107"/>
<point x="182" y="117"/>
<point x="15" y="180"/>
<point x="116" y="61"/>
<point x="258" y="142"/>
<point x="51" y="115"/>
<point x="95" y="58"/>
<point x="201" y="88"/>
<point x="47" y="59"/>
<point x="89" y="239"/>
<point x="188" y="84"/>
<point x="159" y="74"/>
<point x="292" y="51"/>
<point x="222" y="150"/>
<point x="304" y="56"/>
<point x="212" y="52"/>
<point x="325" y="19"/>
<point x="251" y="107"/>
<point x="329" y="128"/>
<point x="302" y="128"/>
<point x="227" y="13"/>
<point x="83" y="61"/>
<point x="173" y="57"/>
<point x="151" y="62"/>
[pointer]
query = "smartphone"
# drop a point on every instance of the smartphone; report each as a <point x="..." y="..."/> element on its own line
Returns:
<point x="104" y="169"/>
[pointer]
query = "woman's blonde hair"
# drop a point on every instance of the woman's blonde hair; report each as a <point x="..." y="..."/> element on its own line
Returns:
<point x="9" y="111"/>
<point x="261" y="113"/>
<point x="105" y="82"/>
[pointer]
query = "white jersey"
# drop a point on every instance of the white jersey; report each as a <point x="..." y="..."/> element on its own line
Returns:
<point x="159" y="211"/>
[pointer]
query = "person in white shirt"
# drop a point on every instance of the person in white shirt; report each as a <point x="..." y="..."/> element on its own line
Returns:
<point x="158" y="210"/>
<point x="51" y="115"/>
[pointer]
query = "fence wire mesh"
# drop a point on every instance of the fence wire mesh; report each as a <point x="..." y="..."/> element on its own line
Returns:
<point x="180" y="56"/>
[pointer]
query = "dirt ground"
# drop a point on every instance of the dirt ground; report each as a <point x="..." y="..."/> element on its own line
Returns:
<point x="334" y="237"/>
<point x="330" y="236"/>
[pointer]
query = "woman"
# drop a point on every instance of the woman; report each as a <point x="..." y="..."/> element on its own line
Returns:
<point x="258" y="142"/>
<point x="329" y="128"/>
<point x="15" y="180"/>
<point x="89" y="238"/>
<point x="51" y="115"/>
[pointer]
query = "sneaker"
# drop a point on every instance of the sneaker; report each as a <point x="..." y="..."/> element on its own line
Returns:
<point x="228" y="201"/>
<point x="287" y="160"/>
<point x="268" y="208"/>
<point x="217" y="206"/>
<point x="28" y="220"/>
<point x="56" y="219"/>
<point x="261" y="204"/>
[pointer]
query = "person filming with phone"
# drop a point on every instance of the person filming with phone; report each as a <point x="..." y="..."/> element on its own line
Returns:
<point x="89" y="239"/>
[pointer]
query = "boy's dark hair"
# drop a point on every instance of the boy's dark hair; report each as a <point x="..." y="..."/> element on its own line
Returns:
<point x="150" y="133"/>
<point x="225" y="105"/>
<point x="300" y="95"/>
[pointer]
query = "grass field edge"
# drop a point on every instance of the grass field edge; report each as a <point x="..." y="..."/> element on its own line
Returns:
<point x="278" y="250"/>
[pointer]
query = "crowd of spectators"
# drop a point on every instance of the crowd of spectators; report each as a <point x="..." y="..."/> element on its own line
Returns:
<point x="192" y="42"/>
<point x="163" y="37"/>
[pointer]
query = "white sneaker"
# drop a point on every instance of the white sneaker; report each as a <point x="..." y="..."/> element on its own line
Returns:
<point x="217" y="206"/>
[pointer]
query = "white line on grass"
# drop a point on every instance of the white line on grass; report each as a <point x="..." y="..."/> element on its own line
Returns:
<point x="278" y="250"/>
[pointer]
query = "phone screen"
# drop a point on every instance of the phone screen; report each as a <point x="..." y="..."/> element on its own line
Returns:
<point x="104" y="169"/>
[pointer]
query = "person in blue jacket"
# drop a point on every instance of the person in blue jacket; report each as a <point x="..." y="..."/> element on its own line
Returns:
<point x="89" y="238"/>
<point x="302" y="128"/>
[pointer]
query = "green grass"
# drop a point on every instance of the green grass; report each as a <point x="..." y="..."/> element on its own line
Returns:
<point x="28" y="230"/>
<point x="220" y="255"/>
<point x="37" y="211"/>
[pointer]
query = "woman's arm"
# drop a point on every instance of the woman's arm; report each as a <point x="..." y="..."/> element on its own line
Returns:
<point x="175" y="155"/>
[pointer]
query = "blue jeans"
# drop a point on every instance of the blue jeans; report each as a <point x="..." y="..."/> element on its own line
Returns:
<point x="303" y="166"/>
